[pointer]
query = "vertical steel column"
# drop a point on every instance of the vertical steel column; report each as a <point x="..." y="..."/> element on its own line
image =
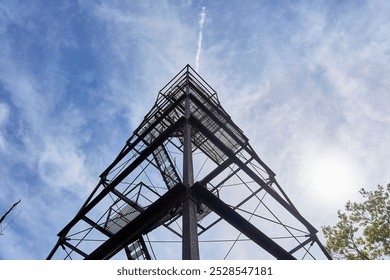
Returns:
<point x="190" y="245"/>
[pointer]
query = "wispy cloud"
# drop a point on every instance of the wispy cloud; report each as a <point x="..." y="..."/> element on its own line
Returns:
<point x="300" y="80"/>
<point x="315" y="84"/>
<point x="4" y="112"/>
<point x="200" y="38"/>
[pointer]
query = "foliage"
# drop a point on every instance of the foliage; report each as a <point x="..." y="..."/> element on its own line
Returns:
<point x="363" y="231"/>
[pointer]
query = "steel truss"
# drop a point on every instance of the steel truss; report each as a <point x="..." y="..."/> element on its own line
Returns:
<point x="188" y="177"/>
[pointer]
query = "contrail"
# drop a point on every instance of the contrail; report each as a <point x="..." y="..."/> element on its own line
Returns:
<point x="201" y="24"/>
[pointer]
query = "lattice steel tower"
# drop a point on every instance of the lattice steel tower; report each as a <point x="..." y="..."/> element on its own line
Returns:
<point x="187" y="184"/>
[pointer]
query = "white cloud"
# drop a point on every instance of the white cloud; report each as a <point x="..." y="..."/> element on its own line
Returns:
<point x="146" y="49"/>
<point x="200" y="37"/>
<point x="318" y="87"/>
<point x="323" y="84"/>
<point x="62" y="165"/>
<point x="304" y="82"/>
<point x="4" y="113"/>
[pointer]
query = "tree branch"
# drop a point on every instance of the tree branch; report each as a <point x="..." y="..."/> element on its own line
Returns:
<point x="5" y="215"/>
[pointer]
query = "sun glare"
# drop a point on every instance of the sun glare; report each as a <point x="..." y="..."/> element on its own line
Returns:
<point x="332" y="176"/>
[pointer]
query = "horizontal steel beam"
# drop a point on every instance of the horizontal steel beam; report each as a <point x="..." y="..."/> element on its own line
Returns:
<point x="140" y="224"/>
<point x="241" y="224"/>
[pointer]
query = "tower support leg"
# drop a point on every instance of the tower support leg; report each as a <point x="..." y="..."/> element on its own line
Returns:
<point x="190" y="245"/>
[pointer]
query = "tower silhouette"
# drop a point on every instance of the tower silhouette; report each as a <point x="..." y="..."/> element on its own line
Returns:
<point x="187" y="184"/>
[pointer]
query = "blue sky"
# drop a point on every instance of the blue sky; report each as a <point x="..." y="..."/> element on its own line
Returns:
<point x="307" y="81"/>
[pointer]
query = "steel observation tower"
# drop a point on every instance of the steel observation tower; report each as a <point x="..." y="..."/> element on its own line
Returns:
<point x="188" y="185"/>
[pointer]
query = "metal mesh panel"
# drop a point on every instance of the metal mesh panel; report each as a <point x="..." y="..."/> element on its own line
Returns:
<point x="121" y="218"/>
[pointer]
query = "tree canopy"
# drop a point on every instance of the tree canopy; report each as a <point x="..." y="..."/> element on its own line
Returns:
<point x="363" y="230"/>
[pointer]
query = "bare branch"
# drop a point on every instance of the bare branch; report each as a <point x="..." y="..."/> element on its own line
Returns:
<point x="6" y="214"/>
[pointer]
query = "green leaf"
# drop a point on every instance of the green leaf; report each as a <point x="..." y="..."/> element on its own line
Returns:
<point x="363" y="230"/>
